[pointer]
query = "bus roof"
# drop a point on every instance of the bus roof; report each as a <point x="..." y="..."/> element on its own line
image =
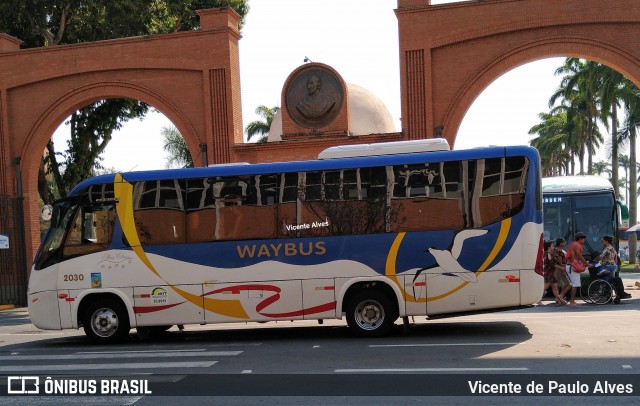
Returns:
<point x="385" y="148"/>
<point x="568" y="184"/>
<point x="315" y="165"/>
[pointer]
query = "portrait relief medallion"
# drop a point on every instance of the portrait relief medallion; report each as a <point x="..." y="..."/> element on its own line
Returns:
<point x="314" y="97"/>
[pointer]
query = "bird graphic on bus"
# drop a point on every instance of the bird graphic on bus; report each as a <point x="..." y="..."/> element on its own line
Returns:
<point x="447" y="260"/>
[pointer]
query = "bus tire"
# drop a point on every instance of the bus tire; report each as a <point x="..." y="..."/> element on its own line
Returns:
<point x="106" y="321"/>
<point x="370" y="313"/>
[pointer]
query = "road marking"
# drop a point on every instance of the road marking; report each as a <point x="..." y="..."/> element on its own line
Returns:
<point x="115" y="366"/>
<point x="138" y="352"/>
<point x="627" y="367"/>
<point x="247" y="371"/>
<point x="438" y="345"/>
<point x="116" y="355"/>
<point x="369" y="370"/>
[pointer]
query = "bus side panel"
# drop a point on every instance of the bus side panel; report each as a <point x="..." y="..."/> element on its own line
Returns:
<point x="318" y="298"/>
<point x="44" y="311"/>
<point x="253" y="301"/>
<point x="65" y="302"/>
<point x="163" y="305"/>
<point x="492" y="289"/>
<point x="528" y="295"/>
<point x="415" y="295"/>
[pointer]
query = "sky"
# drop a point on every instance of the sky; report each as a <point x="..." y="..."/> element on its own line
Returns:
<point x="358" y="38"/>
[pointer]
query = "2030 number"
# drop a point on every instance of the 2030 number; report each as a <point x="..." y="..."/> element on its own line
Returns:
<point x="73" y="277"/>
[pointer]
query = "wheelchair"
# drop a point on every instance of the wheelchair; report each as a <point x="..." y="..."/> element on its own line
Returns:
<point x="597" y="291"/>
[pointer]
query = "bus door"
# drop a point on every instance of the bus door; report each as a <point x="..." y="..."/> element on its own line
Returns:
<point x="81" y="267"/>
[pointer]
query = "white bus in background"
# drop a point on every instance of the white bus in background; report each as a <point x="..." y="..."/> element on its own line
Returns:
<point x="580" y="203"/>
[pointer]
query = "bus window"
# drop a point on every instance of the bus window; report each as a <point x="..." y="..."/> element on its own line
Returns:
<point x="419" y="200"/>
<point x="91" y="230"/>
<point x="158" y="211"/>
<point x="503" y="189"/>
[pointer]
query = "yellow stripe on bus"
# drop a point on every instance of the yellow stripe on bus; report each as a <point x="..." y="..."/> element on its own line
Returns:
<point x="390" y="270"/>
<point x="123" y="191"/>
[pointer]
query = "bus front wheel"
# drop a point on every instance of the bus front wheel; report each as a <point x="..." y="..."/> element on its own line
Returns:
<point x="370" y="313"/>
<point x="106" y="321"/>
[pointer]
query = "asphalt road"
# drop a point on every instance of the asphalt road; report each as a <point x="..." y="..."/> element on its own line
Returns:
<point x="436" y="361"/>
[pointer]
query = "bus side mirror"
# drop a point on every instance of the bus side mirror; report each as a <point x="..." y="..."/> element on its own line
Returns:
<point x="46" y="212"/>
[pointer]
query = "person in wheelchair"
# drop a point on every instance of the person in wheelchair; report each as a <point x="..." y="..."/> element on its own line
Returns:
<point x="605" y="274"/>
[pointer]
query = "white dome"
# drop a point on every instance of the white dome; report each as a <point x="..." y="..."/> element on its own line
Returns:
<point x="367" y="115"/>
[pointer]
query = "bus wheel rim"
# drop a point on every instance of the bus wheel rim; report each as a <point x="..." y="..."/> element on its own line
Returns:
<point x="104" y="322"/>
<point x="369" y="315"/>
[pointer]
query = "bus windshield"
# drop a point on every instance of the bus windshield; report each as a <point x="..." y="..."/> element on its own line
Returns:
<point x="76" y="230"/>
<point x="592" y="214"/>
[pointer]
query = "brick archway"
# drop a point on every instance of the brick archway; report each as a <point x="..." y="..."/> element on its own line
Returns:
<point x="450" y="53"/>
<point x="191" y="77"/>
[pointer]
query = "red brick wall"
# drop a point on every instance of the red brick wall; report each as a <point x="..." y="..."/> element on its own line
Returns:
<point x="468" y="45"/>
<point x="448" y="55"/>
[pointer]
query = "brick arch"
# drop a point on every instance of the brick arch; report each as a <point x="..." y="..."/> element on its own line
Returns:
<point x="46" y="124"/>
<point x="592" y="50"/>
<point x="450" y="53"/>
<point x="191" y="77"/>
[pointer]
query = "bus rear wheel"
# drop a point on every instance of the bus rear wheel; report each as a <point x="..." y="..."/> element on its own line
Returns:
<point x="370" y="313"/>
<point x="106" y="322"/>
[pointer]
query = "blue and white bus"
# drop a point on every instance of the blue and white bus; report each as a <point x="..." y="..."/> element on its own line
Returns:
<point x="584" y="203"/>
<point x="371" y="233"/>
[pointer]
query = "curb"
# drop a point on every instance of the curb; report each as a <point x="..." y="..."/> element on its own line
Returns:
<point x="7" y="307"/>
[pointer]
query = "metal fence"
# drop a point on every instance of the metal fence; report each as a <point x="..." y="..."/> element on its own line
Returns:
<point x="13" y="270"/>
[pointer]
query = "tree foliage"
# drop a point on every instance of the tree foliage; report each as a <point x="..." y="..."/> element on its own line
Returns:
<point x="45" y="23"/>
<point x="590" y="92"/>
<point x="261" y="128"/>
<point x="177" y="148"/>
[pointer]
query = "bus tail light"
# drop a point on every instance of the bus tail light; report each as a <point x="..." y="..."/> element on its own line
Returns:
<point x="540" y="257"/>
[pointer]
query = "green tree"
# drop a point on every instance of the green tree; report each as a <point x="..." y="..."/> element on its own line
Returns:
<point x="553" y="143"/>
<point x="177" y="148"/>
<point x="630" y="96"/>
<point x="41" y="23"/>
<point x="623" y="162"/>
<point x="601" y="167"/>
<point x="262" y="127"/>
<point x="578" y="96"/>
<point x="609" y="91"/>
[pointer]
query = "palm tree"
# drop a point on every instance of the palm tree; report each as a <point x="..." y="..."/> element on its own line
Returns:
<point x="630" y="96"/>
<point x="623" y="162"/>
<point x="552" y="143"/>
<point x="601" y="167"/>
<point x="176" y="146"/>
<point x="611" y="82"/>
<point x="578" y="94"/>
<point x="262" y="127"/>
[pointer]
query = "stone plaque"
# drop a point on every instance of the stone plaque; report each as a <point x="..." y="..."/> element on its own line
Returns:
<point x="314" y="97"/>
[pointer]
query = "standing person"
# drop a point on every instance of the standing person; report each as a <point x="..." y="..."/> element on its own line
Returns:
<point x="549" y="272"/>
<point x="575" y="251"/>
<point x="560" y="269"/>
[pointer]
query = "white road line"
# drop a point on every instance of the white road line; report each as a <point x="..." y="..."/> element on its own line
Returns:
<point x="116" y="355"/>
<point x="138" y="352"/>
<point x="369" y="370"/>
<point x="438" y="345"/>
<point x="115" y="366"/>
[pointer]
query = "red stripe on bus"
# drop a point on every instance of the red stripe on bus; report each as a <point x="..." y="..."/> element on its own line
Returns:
<point x="151" y="309"/>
